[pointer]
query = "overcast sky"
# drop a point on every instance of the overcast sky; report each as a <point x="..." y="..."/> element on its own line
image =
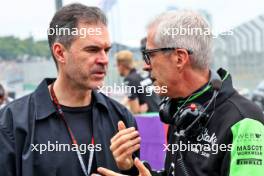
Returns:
<point x="128" y="18"/>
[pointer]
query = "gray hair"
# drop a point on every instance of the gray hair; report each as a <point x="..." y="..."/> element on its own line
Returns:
<point x="185" y="29"/>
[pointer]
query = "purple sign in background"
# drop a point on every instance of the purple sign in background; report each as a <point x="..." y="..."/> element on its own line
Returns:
<point x="152" y="134"/>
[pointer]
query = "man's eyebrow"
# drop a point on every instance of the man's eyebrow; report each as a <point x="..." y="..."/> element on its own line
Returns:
<point x="92" y="47"/>
<point x="96" y="47"/>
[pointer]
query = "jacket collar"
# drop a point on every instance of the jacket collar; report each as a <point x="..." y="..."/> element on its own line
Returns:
<point x="225" y="92"/>
<point x="45" y="106"/>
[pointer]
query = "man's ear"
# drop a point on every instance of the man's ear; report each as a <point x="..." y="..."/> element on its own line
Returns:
<point x="59" y="52"/>
<point x="182" y="58"/>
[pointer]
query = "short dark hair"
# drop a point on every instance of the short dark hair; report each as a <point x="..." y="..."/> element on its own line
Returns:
<point x="143" y="43"/>
<point x="69" y="17"/>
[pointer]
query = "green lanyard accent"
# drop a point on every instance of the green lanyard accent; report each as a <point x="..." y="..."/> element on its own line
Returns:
<point x="198" y="94"/>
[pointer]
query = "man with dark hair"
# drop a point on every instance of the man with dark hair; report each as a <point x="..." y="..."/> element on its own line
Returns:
<point x="143" y="43"/>
<point x="64" y="127"/>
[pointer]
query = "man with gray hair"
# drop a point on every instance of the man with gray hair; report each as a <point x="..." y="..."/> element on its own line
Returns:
<point x="213" y="131"/>
<point x="64" y="127"/>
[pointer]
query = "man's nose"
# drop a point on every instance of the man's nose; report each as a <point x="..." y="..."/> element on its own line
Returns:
<point x="102" y="58"/>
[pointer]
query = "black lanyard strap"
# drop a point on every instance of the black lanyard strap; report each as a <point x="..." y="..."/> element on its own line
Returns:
<point x="73" y="139"/>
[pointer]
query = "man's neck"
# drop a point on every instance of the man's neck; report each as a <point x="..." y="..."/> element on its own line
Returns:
<point x="127" y="72"/>
<point x="69" y="95"/>
<point x="194" y="81"/>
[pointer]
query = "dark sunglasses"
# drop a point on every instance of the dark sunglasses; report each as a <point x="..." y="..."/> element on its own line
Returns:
<point x="147" y="52"/>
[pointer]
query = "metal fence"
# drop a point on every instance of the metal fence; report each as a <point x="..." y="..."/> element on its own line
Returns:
<point x="242" y="53"/>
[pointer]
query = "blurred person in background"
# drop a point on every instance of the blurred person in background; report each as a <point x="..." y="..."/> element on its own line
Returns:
<point x="2" y="96"/>
<point x="64" y="127"/>
<point x="4" y="99"/>
<point x="143" y="43"/>
<point x="258" y="95"/>
<point x="141" y="97"/>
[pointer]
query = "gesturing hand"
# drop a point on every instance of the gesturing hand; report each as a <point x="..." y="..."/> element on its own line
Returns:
<point x="123" y="145"/>
<point x="143" y="171"/>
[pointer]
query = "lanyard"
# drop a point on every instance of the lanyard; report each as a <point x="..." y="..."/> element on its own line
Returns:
<point x="73" y="139"/>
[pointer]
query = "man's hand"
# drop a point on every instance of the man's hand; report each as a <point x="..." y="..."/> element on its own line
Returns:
<point x="143" y="171"/>
<point x="123" y="145"/>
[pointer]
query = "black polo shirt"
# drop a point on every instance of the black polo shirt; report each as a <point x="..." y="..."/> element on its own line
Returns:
<point x="32" y="120"/>
<point x="142" y="90"/>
